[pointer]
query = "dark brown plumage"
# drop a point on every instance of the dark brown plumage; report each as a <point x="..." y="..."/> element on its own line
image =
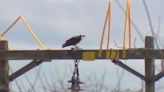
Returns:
<point x="73" y="41"/>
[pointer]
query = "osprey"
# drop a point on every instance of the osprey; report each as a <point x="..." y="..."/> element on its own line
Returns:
<point x="73" y="41"/>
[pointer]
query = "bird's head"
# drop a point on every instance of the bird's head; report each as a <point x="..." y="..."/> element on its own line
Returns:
<point x="82" y="35"/>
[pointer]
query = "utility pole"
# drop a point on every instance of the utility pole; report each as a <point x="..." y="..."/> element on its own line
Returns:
<point x="149" y="67"/>
<point x="148" y="53"/>
<point x="4" y="69"/>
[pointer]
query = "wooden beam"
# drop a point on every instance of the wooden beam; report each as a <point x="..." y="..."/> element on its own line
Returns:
<point x="25" y="69"/>
<point x="159" y="76"/>
<point x="149" y="67"/>
<point x="69" y="54"/>
<point x="4" y="69"/>
<point x="129" y="69"/>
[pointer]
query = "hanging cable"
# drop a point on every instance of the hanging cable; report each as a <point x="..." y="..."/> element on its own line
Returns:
<point x="104" y="28"/>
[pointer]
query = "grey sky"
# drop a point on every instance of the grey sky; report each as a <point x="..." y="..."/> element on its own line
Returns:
<point x="54" y="21"/>
<point x="59" y="19"/>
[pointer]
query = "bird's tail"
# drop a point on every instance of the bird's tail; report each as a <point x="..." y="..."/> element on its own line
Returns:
<point x="64" y="45"/>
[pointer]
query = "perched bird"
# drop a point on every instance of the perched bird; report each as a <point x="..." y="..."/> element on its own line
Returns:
<point x="73" y="41"/>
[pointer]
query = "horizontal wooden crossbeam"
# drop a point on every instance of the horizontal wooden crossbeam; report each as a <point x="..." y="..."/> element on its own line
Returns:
<point x="70" y="54"/>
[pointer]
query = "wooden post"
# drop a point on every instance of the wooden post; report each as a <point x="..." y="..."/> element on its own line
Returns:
<point x="149" y="67"/>
<point x="4" y="69"/>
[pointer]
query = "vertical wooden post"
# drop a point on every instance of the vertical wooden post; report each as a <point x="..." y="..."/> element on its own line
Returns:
<point x="4" y="69"/>
<point x="149" y="67"/>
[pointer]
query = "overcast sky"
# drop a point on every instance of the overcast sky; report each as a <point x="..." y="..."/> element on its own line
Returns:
<point x="54" y="21"/>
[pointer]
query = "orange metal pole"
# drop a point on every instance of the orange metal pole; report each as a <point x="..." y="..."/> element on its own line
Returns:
<point x="109" y="18"/>
<point x="124" y="39"/>
<point x="28" y="27"/>
<point x="103" y="32"/>
<point x="10" y="27"/>
<point x="33" y="34"/>
<point x="129" y="22"/>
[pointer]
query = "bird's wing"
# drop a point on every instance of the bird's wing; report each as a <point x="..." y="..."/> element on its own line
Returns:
<point x="70" y="41"/>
